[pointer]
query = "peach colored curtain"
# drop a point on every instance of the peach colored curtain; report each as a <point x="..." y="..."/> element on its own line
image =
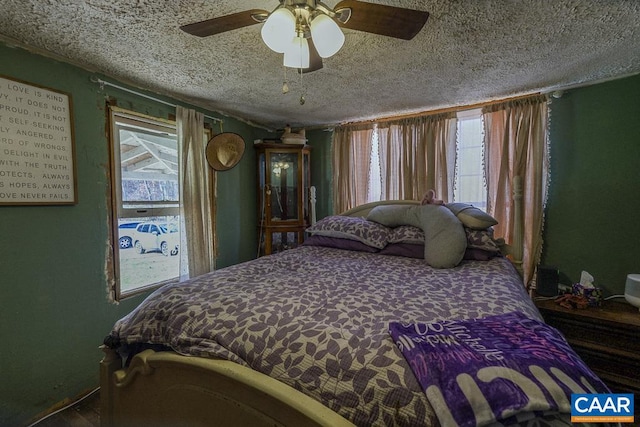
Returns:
<point x="196" y="246"/>
<point x="351" y="165"/>
<point x="416" y="155"/>
<point x="516" y="144"/>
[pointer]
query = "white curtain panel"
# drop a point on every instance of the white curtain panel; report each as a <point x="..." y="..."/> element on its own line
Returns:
<point x="197" y="256"/>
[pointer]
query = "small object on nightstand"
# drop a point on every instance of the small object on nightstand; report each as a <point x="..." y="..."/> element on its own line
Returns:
<point x="548" y="277"/>
<point x="572" y="301"/>
<point x="632" y="290"/>
<point x="593" y="296"/>
<point x="587" y="289"/>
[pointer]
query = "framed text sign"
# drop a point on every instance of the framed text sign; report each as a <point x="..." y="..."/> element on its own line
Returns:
<point x="37" y="151"/>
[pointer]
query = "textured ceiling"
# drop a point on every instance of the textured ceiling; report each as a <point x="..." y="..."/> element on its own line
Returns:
<point x="468" y="52"/>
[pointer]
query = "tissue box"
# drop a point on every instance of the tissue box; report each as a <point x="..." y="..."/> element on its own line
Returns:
<point x="593" y="295"/>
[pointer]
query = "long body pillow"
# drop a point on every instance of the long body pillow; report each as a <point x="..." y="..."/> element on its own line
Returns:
<point x="445" y="239"/>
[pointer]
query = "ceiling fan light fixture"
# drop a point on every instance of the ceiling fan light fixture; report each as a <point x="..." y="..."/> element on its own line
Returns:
<point x="328" y="38"/>
<point x="279" y="29"/>
<point x="297" y="53"/>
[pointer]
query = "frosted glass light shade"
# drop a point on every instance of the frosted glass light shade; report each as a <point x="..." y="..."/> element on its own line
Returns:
<point x="328" y="38"/>
<point x="279" y="29"/>
<point x="297" y="53"/>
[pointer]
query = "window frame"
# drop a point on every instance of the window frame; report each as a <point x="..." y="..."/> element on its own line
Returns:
<point x="118" y="211"/>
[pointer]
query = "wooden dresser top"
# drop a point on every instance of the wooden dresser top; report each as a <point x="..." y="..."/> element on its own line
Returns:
<point x="615" y="311"/>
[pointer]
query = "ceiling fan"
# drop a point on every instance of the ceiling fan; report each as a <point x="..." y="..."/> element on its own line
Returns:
<point x="308" y="30"/>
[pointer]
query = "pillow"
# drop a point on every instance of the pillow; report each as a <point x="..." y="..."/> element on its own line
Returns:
<point x="481" y="239"/>
<point x="406" y="234"/>
<point x="471" y="216"/>
<point x="352" y="228"/>
<point x="472" y="254"/>
<point x="414" y="250"/>
<point x="409" y="250"/>
<point x="408" y="241"/>
<point x="392" y="215"/>
<point x="445" y="239"/>
<point x="338" y="243"/>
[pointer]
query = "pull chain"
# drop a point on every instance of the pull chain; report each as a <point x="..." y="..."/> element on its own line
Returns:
<point x="302" y="98"/>
<point x="285" y="84"/>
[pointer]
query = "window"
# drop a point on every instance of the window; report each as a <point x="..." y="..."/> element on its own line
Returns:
<point x="146" y="202"/>
<point x="470" y="185"/>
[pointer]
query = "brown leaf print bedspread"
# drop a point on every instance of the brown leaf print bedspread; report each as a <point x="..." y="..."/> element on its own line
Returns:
<point x="317" y="319"/>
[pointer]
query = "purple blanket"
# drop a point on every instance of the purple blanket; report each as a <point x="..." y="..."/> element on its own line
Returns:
<point x="499" y="368"/>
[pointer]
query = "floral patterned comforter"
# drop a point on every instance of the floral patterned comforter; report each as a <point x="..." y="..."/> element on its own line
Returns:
<point x="317" y="319"/>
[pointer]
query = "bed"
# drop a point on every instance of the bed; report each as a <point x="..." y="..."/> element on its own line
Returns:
<point x="304" y="337"/>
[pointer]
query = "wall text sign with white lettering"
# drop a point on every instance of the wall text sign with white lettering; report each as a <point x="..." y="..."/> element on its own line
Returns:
<point x="37" y="151"/>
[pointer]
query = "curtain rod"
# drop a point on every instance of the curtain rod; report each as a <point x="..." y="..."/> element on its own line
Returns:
<point x="442" y="110"/>
<point x="106" y="83"/>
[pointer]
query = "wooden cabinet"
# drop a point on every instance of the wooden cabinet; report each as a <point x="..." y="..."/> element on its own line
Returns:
<point x="283" y="195"/>
<point x="607" y="338"/>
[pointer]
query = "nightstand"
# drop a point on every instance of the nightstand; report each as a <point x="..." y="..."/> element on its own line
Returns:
<point x="607" y="338"/>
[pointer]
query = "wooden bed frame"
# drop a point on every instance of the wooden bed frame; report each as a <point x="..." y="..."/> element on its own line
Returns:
<point x="168" y="389"/>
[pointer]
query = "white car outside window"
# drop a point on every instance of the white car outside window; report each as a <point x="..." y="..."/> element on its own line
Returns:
<point x="150" y="237"/>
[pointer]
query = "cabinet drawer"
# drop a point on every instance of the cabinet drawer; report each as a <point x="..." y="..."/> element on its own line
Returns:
<point x="620" y="373"/>
<point x="602" y="333"/>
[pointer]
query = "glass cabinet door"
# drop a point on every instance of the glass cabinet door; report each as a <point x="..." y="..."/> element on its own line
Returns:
<point x="282" y="190"/>
<point x="283" y="240"/>
<point x="283" y="196"/>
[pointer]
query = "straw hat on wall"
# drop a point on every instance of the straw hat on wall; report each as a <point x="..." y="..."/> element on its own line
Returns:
<point x="225" y="150"/>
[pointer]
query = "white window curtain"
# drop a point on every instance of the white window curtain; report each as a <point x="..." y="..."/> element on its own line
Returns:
<point x="416" y="155"/>
<point x="197" y="245"/>
<point x="351" y="160"/>
<point x="516" y="145"/>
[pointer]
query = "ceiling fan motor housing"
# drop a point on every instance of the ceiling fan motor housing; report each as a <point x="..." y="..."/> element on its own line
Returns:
<point x="315" y="8"/>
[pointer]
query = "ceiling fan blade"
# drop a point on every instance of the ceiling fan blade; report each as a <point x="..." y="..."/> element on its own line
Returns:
<point x="315" y="60"/>
<point x="384" y="20"/>
<point x="219" y="25"/>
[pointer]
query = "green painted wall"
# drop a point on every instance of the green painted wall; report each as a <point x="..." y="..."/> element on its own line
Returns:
<point x="594" y="200"/>
<point x="54" y="310"/>
<point x="321" y="175"/>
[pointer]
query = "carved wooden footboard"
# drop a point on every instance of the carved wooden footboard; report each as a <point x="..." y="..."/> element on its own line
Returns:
<point x="167" y="389"/>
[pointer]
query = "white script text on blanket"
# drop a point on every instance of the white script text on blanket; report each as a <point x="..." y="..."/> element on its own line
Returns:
<point x="476" y="372"/>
